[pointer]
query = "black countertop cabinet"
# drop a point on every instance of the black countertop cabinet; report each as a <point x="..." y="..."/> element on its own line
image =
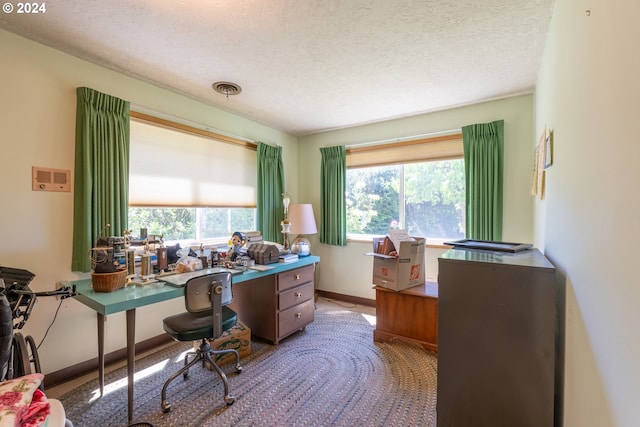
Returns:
<point x="498" y="315"/>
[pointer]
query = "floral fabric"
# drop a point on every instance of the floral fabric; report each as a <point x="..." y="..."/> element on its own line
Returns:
<point x="22" y="403"/>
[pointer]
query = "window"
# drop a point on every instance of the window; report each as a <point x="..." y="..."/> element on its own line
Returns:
<point x="426" y="196"/>
<point x="192" y="226"/>
<point x="189" y="185"/>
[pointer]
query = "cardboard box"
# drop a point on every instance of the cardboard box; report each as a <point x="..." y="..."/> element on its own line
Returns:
<point x="237" y="338"/>
<point x="402" y="272"/>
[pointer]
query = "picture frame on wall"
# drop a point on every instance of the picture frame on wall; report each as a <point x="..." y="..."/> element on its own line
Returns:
<point x="548" y="149"/>
<point x="537" y="181"/>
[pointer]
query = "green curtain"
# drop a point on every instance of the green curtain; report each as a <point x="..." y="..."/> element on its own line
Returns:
<point x="270" y="209"/>
<point x="101" y="181"/>
<point x="333" y="184"/>
<point x="483" y="165"/>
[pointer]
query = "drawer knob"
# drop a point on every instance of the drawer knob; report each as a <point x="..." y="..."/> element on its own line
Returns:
<point x="298" y="295"/>
<point x="298" y="315"/>
<point x="297" y="277"/>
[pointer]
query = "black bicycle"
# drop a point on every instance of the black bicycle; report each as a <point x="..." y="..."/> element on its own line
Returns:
<point x="19" y="353"/>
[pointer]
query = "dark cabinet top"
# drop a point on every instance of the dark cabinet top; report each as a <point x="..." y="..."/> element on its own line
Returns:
<point x="527" y="258"/>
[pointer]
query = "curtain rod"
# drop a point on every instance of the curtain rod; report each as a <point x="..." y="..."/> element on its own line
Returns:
<point x="415" y="139"/>
<point x="192" y="127"/>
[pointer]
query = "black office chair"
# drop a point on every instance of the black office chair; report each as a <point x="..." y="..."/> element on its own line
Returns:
<point x="207" y="317"/>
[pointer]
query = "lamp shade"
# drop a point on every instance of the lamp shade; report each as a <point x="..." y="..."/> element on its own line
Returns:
<point x="302" y="219"/>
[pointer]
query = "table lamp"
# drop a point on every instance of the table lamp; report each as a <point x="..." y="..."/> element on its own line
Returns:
<point x="302" y="222"/>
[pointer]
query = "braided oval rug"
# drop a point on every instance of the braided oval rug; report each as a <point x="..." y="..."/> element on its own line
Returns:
<point x="330" y="374"/>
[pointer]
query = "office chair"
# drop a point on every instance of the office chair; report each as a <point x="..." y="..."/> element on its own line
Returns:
<point x="207" y="317"/>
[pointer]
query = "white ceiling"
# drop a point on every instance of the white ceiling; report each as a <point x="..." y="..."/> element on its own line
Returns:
<point x="308" y="65"/>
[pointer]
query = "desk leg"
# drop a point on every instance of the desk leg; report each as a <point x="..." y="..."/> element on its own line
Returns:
<point x="101" y="321"/>
<point x="131" y="356"/>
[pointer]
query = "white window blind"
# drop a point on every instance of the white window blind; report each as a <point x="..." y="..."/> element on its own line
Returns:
<point x="170" y="168"/>
<point x="414" y="151"/>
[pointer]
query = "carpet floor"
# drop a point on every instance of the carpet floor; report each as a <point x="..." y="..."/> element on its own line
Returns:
<point x="330" y="374"/>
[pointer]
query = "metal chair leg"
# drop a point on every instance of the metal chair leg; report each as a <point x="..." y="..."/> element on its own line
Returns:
<point x="204" y="354"/>
<point x="166" y="407"/>
<point x="227" y="351"/>
<point x="228" y="398"/>
<point x="186" y="361"/>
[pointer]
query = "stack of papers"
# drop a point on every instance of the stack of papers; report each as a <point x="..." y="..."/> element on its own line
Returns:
<point x="261" y="267"/>
<point x="396" y="236"/>
<point x="288" y="258"/>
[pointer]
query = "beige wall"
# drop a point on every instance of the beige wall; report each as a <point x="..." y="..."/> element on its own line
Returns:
<point x="345" y="270"/>
<point x="37" y="122"/>
<point x="589" y="92"/>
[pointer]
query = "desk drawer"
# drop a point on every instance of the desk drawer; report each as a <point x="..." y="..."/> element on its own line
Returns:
<point x="295" y="296"/>
<point x="295" y="318"/>
<point x="298" y="276"/>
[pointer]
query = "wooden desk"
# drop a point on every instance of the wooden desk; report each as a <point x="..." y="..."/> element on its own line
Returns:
<point x="130" y="297"/>
<point x="410" y="314"/>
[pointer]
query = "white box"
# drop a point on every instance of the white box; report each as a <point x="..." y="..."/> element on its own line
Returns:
<point x="402" y="272"/>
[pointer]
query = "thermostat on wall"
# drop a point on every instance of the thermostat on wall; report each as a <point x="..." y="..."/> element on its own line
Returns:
<point x="48" y="179"/>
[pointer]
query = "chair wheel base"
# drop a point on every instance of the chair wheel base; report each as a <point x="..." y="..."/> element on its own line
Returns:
<point x="229" y="400"/>
<point x="166" y="407"/>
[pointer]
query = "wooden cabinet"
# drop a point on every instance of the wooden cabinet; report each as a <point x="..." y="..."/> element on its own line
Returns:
<point x="411" y="314"/>
<point x="277" y="305"/>
<point x="498" y="345"/>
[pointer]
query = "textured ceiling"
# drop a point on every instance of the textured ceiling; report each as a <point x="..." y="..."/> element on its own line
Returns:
<point x="308" y="65"/>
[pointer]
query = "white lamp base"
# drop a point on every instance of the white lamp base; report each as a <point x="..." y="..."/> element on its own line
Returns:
<point x="301" y="246"/>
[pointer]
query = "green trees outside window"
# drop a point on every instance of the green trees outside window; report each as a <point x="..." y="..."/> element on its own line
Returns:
<point x="192" y="225"/>
<point x="427" y="199"/>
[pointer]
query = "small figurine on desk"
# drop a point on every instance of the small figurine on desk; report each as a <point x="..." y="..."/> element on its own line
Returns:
<point x="236" y="243"/>
<point x="203" y="257"/>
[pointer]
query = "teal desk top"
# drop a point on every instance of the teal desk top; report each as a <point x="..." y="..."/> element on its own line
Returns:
<point x="134" y="296"/>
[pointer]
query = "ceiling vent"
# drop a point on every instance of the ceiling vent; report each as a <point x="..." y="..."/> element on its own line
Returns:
<point x="227" y="88"/>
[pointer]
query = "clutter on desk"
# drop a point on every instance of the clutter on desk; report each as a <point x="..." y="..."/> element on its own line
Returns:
<point x="186" y="262"/>
<point x="264" y="253"/>
<point x="261" y="267"/>
<point x="107" y="276"/>
<point x="253" y="237"/>
<point x="109" y="282"/>
<point x="145" y="260"/>
<point x="146" y="266"/>
<point x="235" y="245"/>
<point x="286" y="258"/>
<point x="175" y="252"/>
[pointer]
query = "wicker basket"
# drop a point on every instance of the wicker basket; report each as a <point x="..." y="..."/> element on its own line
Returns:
<point x="107" y="282"/>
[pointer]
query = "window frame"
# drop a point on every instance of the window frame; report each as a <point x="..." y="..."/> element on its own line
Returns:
<point x="416" y="150"/>
<point x="214" y="138"/>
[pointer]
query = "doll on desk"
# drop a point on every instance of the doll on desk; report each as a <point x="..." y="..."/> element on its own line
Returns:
<point x="237" y="241"/>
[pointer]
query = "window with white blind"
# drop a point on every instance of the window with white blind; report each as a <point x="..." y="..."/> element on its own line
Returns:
<point x="188" y="185"/>
<point x="414" y="185"/>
